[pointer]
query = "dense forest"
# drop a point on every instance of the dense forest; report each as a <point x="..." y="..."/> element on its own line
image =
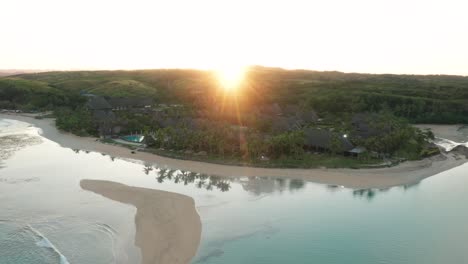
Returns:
<point x="418" y="98"/>
<point x="246" y="125"/>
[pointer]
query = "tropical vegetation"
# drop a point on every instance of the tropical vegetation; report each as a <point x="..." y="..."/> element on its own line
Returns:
<point x="242" y="127"/>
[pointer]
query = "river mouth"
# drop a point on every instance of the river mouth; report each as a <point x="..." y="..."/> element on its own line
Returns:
<point x="244" y="219"/>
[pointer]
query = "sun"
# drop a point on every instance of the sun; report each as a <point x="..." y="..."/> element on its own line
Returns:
<point x="230" y="77"/>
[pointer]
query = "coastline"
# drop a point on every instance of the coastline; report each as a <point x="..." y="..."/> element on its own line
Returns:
<point x="451" y="132"/>
<point x="168" y="227"/>
<point x="406" y="173"/>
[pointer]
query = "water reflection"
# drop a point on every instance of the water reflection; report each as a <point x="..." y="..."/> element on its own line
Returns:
<point x="296" y="184"/>
<point x="370" y="194"/>
<point x="77" y="151"/>
<point x="267" y="185"/>
<point x="334" y="188"/>
<point x="254" y="185"/>
<point x="365" y="193"/>
<point x="147" y="169"/>
<point x="410" y="186"/>
<point x="201" y="181"/>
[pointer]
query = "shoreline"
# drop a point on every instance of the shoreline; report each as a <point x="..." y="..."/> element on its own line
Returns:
<point x="168" y="230"/>
<point x="451" y="132"/>
<point x="406" y="173"/>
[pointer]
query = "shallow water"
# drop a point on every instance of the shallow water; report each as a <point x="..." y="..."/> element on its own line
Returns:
<point x="45" y="217"/>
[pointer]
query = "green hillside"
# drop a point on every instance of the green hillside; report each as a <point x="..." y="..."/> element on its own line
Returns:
<point x="34" y="95"/>
<point x="419" y="98"/>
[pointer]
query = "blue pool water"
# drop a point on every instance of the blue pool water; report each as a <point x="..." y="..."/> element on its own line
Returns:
<point x="134" y="138"/>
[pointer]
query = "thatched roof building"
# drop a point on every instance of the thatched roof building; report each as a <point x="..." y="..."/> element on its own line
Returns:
<point x="120" y="103"/>
<point x="322" y="139"/>
<point x="365" y="126"/>
<point x="98" y="103"/>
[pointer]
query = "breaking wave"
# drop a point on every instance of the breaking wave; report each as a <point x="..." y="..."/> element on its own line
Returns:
<point x="44" y="242"/>
<point x="448" y="144"/>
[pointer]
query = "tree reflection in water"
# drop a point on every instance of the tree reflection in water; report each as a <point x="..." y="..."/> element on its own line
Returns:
<point x="334" y="187"/>
<point x="365" y="193"/>
<point x="410" y="186"/>
<point x="147" y="169"/>
<point x="77" y="151"/>
<point x="296" y="184"/>
<point x="255" y="185"/>
<point x="267" y="185"/>
<point x="201" y="181"/>
<point x="370" y="194"/>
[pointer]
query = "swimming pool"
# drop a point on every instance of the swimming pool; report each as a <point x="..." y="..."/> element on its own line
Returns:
<point x="134" y="138"/>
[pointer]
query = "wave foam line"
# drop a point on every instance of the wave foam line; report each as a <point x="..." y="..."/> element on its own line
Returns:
<point x="44" y="242"/>
<point x="448" y="144"/>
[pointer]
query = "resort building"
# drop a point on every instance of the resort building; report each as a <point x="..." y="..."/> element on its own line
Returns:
<point x="365" y="126"/>
<point x="120" y="103"/>
<point x="324" y="140"/>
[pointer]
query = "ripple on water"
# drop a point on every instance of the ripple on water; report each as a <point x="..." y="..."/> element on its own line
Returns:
<point x="18" y="245"/>
<point x="57" y="240"/>
<point x="9" y="144"/>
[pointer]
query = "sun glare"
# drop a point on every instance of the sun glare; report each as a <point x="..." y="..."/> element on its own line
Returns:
<point x="230" y="77"/>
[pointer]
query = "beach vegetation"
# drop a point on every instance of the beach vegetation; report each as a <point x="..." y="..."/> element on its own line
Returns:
<point x="357" y="119"/>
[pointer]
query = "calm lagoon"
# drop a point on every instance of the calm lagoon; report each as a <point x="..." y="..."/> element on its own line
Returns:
<point x="45" y="217"/>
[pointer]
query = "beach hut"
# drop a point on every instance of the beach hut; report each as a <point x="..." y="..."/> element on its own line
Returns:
<point x="325" y="140"/>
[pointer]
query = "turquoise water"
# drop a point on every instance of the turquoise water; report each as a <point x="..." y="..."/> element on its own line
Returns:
<point x="45" y="217"/>
<point x="425" y="223"/>
<point x="134" y="138"/>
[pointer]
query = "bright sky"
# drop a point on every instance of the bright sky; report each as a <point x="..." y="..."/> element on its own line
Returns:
<point x="377" y="36"/>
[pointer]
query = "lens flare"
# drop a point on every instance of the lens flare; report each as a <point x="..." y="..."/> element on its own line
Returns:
<point x="230" y="77"/>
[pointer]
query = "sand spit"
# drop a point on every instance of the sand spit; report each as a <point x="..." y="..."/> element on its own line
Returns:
<point x="168" y="228"/>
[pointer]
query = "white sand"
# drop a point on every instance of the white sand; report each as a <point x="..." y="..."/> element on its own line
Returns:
<point x="405" y="173"/>
<point x="168" y="228"/>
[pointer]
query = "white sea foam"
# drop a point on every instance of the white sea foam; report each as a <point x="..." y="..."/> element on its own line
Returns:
<point x="5" y="122"/>
<point x="44" y="242"/>
<point x="448" y="144"/>
<point x="10" y="126"/>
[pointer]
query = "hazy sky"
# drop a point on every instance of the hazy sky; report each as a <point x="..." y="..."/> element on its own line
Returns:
<point x="394" y="36"/>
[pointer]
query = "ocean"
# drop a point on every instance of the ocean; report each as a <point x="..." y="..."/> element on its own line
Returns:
<point x="45" y="217"/>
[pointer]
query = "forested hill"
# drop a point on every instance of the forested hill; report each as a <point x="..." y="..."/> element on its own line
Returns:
<point x="419" y="98"/>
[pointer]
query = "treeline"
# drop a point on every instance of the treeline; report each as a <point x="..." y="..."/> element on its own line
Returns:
<point x="78" y="121"/>
<point x="415" y="109"/>
<point x="398" y="99"/>
<point x="225" y="141"/>
<point x="396" y="138"/>
<point x="35" y="96"/>
<point x="418" y="98"/>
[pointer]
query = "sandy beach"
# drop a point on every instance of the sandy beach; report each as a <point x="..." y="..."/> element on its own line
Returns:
<point x="168" y="227"/>
<point x="404" y="174"/>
